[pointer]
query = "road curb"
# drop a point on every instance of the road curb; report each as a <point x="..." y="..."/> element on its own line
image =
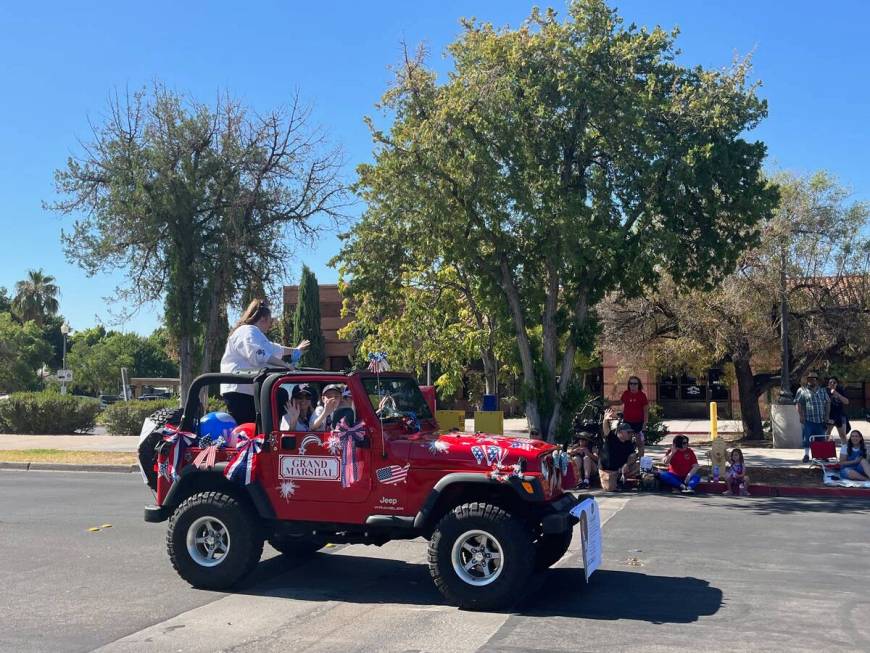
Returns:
<point x="67" y="467"/>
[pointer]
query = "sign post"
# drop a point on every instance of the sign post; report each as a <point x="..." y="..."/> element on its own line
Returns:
<point x="590" y="530"/>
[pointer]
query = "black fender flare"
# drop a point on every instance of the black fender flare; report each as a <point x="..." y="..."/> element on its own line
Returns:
<point x="465" y="478"/>
<point x="192" y="479"/>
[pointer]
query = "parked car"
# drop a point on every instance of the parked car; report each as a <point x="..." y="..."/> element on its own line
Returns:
<point x="159" y="397"/>
<point x="108" y="400"/>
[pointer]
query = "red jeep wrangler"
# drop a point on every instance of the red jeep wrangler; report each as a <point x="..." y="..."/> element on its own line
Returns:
<point x="492" y="507"/>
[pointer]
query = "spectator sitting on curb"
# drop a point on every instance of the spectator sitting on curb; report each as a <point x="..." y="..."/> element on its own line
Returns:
<point x="738" y="481"/>
<point x="814" y="408"/>
<point x="853" y="459"/>
<point x="682" y="465"/>
<point x="618" y="458"/>
<point x="584" y="457"/>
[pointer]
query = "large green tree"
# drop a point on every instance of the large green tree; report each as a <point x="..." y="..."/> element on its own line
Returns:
<point x="193" y="202"/>
<point x="22" y="352"/>
<point x="306" y="320"/>
<point x="561" y="161"/>
<point x="96" y="358"/>
<point x="815" y="250"/>
<point x="35" y="297"/>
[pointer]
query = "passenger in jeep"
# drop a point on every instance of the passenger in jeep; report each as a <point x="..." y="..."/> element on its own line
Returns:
<point x="330" y="402"/>
<point x="248" y="348"/>
<point x="298" y="411"/>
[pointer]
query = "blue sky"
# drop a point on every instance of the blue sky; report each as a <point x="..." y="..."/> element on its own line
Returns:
<point x="59" y="61"/>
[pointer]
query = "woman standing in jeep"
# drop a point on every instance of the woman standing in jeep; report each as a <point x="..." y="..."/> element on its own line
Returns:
<point x="248" y="348"/>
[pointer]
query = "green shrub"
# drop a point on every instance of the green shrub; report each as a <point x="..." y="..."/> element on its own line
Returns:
<point x="47" y="413"/>
<point x="656" y="430"/>
<point x="126" y="417"/>
<point x="216" y="405"/>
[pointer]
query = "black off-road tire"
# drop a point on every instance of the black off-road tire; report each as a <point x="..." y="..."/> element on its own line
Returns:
<point x="549" y="549"/>
<point x="245" y="540"/>
<point x="148" y="446"/>
<point x="518" y="555"/>
<point x="300" y="546"/>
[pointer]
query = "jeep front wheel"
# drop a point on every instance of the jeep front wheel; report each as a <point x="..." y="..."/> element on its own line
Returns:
<point x="213" y="541"/>
<point x="480" y="557"/>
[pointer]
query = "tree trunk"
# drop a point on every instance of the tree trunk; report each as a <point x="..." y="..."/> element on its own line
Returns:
<point x="750" y="413"/>
<point x="490" y="371"/>
<point x="185" y="364"/>
<point x="513" y="297"/>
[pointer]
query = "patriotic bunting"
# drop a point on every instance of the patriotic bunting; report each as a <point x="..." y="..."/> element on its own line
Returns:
<point x="243" y="467"/>
<point x="348" y="437"/>
<point x="179" y="443"/>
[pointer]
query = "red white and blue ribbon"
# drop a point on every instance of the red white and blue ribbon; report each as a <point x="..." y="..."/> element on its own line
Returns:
<point x="243" y="467"/>
<point x="179" y="443"/>
<point x="349" y="437"/>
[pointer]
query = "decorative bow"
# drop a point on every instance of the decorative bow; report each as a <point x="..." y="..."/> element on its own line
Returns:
<point x="179" y="443"/>
<point x="378" y="362"/>
<point x="348" y="437"/>
<point x="410" y="422"/>
<point x="243" y="467"/>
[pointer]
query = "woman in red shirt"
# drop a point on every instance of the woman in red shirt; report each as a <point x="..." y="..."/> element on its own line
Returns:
<point x="635" y="409"/>
<point x="682" y="466"/>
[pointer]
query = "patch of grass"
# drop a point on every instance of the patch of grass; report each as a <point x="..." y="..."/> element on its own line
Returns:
<point x="71" y="457"/>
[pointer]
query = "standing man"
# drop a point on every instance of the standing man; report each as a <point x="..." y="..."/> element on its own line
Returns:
<point x="814" y="408"/>
<point x="837" y="415"/>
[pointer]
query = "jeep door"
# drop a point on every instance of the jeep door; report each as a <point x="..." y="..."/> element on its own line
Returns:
<point x="306" y="467"/>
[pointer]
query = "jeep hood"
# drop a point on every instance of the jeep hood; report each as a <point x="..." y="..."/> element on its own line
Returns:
<point x="479" y="452"/>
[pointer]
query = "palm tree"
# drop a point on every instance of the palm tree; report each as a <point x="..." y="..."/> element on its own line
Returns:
<point x="35" y="297"/>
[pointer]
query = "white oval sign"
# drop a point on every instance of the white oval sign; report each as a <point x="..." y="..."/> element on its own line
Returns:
<point x="310" y="468"/>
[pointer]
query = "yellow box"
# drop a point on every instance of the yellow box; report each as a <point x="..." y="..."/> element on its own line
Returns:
<point x="489" y="421"/>
<point x="450" y="419"/>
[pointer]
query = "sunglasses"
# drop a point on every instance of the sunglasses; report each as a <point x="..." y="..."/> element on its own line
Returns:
<point x="633" y="383"/>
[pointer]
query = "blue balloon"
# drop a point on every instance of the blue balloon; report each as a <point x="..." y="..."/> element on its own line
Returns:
<point x="215" y="428"/>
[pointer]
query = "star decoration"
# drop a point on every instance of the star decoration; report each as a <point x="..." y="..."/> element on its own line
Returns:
<point x="333" y="443"/>
<point x="438" y="446"/>
<point x="287" y="489"/>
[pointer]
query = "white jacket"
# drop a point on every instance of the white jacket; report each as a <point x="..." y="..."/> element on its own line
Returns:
<point x="247" y="349"/>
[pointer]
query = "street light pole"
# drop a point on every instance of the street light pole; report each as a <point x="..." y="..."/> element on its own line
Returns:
<point x="64" y="329"/>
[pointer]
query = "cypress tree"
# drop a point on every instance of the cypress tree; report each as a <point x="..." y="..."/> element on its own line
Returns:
<point x="306" y="321"/>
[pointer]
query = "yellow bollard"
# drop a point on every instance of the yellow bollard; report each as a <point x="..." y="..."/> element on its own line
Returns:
<point x="714" y="425"/>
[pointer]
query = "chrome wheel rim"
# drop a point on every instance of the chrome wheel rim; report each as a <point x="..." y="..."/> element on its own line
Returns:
<point x="208" y="541"/>
<point x="477" y="558"/>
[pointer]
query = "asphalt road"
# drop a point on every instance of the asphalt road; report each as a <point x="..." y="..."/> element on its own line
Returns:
<point x="679" y="573"/>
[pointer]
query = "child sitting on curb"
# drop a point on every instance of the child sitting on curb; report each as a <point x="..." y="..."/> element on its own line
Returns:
<point x="738" y="481"/>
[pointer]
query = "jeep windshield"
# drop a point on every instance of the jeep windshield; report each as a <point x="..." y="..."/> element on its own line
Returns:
<point x="396" y="397"/>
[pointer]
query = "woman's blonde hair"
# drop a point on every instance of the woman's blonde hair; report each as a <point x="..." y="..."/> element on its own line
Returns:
<point x="256" y="311"/>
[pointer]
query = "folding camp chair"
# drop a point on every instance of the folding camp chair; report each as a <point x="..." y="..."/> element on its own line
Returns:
<point x="823" y="454"/>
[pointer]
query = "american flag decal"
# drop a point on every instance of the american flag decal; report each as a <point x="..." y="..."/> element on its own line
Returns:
<point x="392" y="474"/>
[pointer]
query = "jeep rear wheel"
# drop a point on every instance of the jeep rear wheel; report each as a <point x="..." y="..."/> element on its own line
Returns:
<point x="298" y="546"/>
<point x="549" y="549"/>
<point x="213" y="541"/>
<point x="480" y="557"/>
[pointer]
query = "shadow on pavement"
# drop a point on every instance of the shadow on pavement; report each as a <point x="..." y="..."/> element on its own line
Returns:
<point x="613" y="595"/>
<point x="789" y="505"/>
<point x="346" y="578"/>
<point x="561" y="592"/>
